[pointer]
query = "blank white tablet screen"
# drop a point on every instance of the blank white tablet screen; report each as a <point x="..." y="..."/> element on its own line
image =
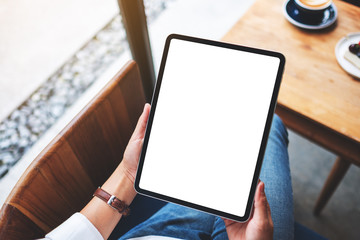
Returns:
<point x="208" y="125"/>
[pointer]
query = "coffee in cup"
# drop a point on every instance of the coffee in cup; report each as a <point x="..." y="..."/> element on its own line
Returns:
<point x="313" y="4"/>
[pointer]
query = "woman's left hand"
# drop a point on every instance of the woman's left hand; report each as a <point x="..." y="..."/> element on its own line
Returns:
<point x="132" y="152"/>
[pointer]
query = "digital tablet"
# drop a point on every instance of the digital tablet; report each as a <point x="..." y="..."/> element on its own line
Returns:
<point x="208" y="126"/>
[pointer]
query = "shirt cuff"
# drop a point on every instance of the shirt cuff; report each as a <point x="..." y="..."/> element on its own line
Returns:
<point x="76" y="227"/>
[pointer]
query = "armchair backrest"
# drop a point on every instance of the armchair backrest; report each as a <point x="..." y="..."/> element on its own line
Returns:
<point x="62" y="179"/>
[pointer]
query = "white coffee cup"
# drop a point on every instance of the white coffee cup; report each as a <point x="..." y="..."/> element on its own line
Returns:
<point x="313" y="5"/>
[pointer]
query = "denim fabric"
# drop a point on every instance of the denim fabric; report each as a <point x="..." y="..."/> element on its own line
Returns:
<point x="180" y="222"/>
<point x="275" y="173"/>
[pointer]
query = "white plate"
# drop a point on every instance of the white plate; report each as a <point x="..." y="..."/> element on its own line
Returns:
<point x="340" y="50"/>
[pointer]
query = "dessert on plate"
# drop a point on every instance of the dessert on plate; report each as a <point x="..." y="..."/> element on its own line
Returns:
<point x="353" y="54"/>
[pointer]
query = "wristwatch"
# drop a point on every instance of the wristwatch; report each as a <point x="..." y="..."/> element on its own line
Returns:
<point x="112" y="201"/>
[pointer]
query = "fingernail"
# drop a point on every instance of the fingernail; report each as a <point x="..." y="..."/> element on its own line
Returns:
<point x="262" y="188"/>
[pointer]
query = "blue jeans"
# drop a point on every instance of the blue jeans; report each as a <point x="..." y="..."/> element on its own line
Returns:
<point x="184" y="223"/>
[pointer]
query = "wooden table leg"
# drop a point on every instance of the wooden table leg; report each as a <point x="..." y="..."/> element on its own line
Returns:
<point x="337" y="173"/>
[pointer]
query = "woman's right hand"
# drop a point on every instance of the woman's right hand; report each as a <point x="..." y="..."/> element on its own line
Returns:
<point x="259" y="226"/>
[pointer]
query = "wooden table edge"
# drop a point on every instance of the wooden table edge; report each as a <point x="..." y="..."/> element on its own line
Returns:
<point x="337" y="143"/>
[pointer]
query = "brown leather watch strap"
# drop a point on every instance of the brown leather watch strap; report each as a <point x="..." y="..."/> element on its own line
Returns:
<point x="112" y="201"/>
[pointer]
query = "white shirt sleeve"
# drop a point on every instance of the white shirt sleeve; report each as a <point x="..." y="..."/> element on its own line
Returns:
<point x="76" y="227"/>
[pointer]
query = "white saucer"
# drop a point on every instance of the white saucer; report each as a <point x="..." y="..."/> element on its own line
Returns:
<point x="294" y="16"/>
<point x="340" y="50"/>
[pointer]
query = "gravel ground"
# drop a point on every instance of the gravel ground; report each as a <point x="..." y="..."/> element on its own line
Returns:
<point x="26" y="124"/>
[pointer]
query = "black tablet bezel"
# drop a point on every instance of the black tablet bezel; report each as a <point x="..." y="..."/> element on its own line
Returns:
<point x="263" y="141"/>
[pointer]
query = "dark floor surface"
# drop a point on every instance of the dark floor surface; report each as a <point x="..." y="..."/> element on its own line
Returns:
<point x="310" y="166"/>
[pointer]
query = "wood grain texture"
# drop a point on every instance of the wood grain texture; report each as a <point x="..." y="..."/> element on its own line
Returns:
<point x="15" y="221"/>
<point x="62" y="179"/>
<point x="320" y="134"/>
<point x="314" y="85"/>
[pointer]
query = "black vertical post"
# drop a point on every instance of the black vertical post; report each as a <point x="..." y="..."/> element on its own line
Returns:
<point x="134" y="20"/>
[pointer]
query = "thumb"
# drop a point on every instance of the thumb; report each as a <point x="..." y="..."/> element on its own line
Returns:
<point x="262" y="209"/>
<point x="139" y="131"/>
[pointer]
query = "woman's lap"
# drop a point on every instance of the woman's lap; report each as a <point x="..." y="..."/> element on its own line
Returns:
<point x="181" y="222"/>
<point x="176" y="221"/>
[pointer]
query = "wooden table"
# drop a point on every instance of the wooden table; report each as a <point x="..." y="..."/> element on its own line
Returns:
<point x="317" y="99"/>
